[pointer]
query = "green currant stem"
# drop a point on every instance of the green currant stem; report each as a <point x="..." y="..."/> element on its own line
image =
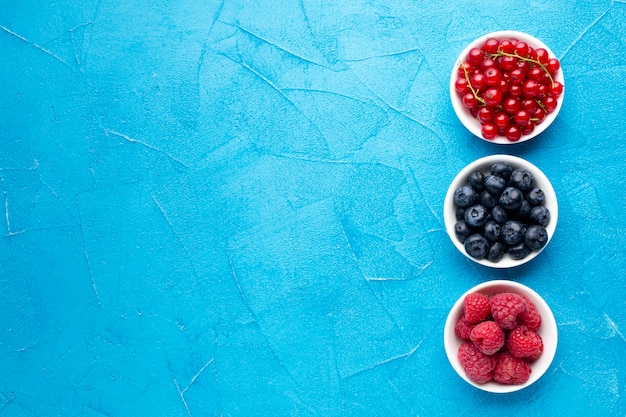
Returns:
<point x="469" y="84"/>
<point x="522" y="58"/>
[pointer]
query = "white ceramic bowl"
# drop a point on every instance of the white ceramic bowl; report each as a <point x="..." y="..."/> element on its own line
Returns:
<point x="484" y="165"/>
<point x="548" y="332"/>
<point x="463" y="112"/>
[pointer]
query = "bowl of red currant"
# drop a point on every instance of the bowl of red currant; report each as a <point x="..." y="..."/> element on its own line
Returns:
<point x="507" y="87"/>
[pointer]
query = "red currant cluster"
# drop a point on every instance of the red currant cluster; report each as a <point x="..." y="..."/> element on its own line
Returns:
<point x="509" y="87"/>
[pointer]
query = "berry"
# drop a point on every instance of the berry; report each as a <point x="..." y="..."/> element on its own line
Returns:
<point x="465" y="196"/>
<point x="511" y="370"/>
<point x="535" y="196"/>
<point x="492" y="231"/>
<point x="462" y="230"/>
<point x="522" y="179"/>
<point x="519" y="251"/>
<point x="476" y="307"/>
<point x="476" y="215"/>
<point x="477" y="181"/>
<point x="505" y="309"/>
<point x="488" y="337"/>
<point x="488" y="200"/>
<point x="476" y="246"/>
<point x="501" y="74"/>
<point x="531" y="318"/>
<point x="496" y="252"/>
<point x="522" y="342"/>
<point x="536" y="237"/>
<point x="495" y="184"/>
<point x="498" y="213"/>
<point x="512" y="232"/>
<point x="477" y="366"/>
<point x="502" y="169"/>
<point x="511" y="199"/>
<point x="463" y="328"/>
<point x="539" y="215"/>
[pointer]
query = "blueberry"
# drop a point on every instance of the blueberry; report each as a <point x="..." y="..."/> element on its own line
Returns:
<point x="502" y="169"/>
<point x="465" y="196"/>
<point x="488" y="200"/>
<point x="492" y="231"/>
<point x="512" y="232"/>
<point x="476" y="246"/>
<point x="477" y="181"/>
<point x="462" y="230"/>
<point x="496" y="252"/>
<point x="511" y="199"/>
<point x="459" y="213"/>
<point x="522" y="179"/>
<point x="536" y="237"/>
<point x="519" y="251"/>
<point x="476" y="216"/>
<point x="524" y="210"/>
<point x="539" y="215"/>
<point x="536" y="197"/>
<point x="499" y="215"/>
<point x="495" y="184"/>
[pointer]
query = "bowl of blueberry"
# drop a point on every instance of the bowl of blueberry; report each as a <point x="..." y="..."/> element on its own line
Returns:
<point x="500" y="211"/>
<point x="507" y="87"/>
<point x="500" y="336"/>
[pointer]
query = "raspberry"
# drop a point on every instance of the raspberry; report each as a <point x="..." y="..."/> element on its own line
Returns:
<point x="476" y="307"/>
<point x="488" y="337"/>
<point x="531" y="318"/>
<point x="511" y="370"/>
<point x="505" y="309"/>
<point x="463" y="328"/>
<point x="478" y="366"/>
<point x="524" y="343"/>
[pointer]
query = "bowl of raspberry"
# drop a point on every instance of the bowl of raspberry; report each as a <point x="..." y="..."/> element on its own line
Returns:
<point x="500" y="211"/>
<point x="500" y="336"/>
<point x="507" y="87"/>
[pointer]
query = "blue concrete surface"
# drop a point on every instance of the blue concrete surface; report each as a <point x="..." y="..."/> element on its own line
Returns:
<point x="235" y="208"/>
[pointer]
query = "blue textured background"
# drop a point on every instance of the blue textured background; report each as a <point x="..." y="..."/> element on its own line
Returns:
<point x="234" y="208"/>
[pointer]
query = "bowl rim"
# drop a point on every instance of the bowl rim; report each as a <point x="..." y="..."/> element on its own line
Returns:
<point x="548" y="328"/>
<point x="463" y="113"/>
<point x="540" y="179"/>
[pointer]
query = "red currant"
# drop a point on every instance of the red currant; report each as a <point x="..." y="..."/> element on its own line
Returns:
<point x="493" y="97"/>
<point x="542" y="55"/>
<point x="507" y="63"/>
<point x="493" y="76"/>
<point x="461" y="85"/>
<point x="530" y="88"/>
<point x="521" y="118"/>
<point x="538" y="115"/>
<point x="529" y="104"/>
<point x="556" y="89"/>
<point x="501" y="120"/>
<point x="515" y="91"/>
<point x="536" y="74"/>
<point x="517" y="76"/>
<point x="478" y="81"/>
<point x="528" y="129"/>
<point x="491" y="45"/>
<point x="469" y="100"/>
<point x="489" y="131"/>
<point x="550" y="104"/>
<point x="513" y="133"/>
<point x="511" y="105"/>
<point x="475" y="56"/>
<point x="521" y="49"/>
<point x="553" y="65"/>
<point x="507" y="46"/>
